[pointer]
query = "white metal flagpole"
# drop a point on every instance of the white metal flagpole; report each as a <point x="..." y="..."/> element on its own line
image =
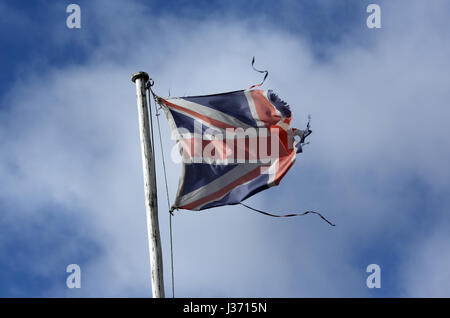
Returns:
<point x="151" y="203"/>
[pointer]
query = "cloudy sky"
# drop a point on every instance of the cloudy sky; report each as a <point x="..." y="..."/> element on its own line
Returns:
<point x="71" y="185"/>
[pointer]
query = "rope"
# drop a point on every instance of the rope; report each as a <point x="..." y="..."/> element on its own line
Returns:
<point x="157" y="113"/>
<point x="287" y="215"/>
<point x="265" y="76"/>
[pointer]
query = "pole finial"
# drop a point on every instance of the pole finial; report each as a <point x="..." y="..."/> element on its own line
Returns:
<point x="137" y="75"/>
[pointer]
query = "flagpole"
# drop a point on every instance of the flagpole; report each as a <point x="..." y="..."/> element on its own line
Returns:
<point x="151" y="203"/>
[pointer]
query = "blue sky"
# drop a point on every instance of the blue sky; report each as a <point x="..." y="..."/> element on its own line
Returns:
<point x="71" y="188"/>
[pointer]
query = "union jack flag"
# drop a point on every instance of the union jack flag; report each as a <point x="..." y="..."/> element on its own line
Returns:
<point x="233" y="145"/>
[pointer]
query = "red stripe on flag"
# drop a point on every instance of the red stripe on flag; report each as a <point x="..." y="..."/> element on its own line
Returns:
<point x="265" y="109"/>
<point x="207" y="119"/>
<point x="284" y="164"/>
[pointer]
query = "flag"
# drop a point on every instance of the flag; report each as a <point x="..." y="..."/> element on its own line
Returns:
<point x="232" y="145"/>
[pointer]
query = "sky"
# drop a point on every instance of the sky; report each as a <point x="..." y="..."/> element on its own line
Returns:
<point x="71" y="184"/>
